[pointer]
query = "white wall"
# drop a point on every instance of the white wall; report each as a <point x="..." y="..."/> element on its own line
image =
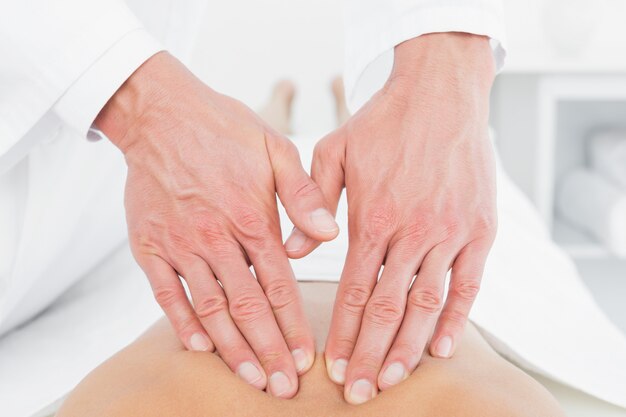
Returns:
<point x="595" y="29"/>
<point x="246" y="45"/>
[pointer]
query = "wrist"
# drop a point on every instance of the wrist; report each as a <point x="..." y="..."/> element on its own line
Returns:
<point x="443" y="64"/>
<point x="149" y="84"/>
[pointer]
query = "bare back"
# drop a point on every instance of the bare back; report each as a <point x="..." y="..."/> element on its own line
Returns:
<point x="156" y="376"/>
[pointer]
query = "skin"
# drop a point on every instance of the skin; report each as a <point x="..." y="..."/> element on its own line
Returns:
<point x="418" y="169"/>
<point x="203" y="174"/>
<point x="157" y="376"/>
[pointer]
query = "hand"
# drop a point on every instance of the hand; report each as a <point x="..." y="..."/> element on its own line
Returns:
<point x="203" y="173"/>
<point x="418" y="168"/>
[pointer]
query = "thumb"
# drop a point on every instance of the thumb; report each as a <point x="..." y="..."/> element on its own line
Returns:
<point x="303" y="199"/>
<point x="327" y="172"/>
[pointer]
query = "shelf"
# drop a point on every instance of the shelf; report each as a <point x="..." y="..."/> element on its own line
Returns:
<point x="563" y="67"/>
<point x="577" y="243"/>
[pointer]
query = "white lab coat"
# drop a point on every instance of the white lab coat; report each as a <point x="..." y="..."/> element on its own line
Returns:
<point x="61" y="62"/>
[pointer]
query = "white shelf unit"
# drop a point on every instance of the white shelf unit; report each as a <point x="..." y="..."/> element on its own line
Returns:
<point x="542" y="121"/>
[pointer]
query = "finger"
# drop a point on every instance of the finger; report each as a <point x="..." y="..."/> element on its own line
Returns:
<point x="211" y="308"/>
<point x="171" y="296"/>
<point x="422" y="309"/>
<point x="275" y="275"/>
<point x="381" y="320"/>
<point x="327" y="172"/>
<point x="302" y="198"/>
<point x="357" y="282"/>
<point x="467" y="272"/>
<point x="252" y="313"/>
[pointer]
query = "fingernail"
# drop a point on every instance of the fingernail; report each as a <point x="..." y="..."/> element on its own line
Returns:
<point x="301" y="359"/>
<point x="199" y="342"/>
<point x="361" y="391"/>
<point x="338" y="371"/>
<point x="323" y="221"/>
<point x="295" y="241"/>
<point x="249" y="373"/>
<point x="394" y="374"/>
<point x="279" y="384"/>
<point x="444" y="347"/>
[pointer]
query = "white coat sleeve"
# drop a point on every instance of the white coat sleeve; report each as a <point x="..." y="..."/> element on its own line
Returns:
<point x="374" y="27"/>
<point x="66" y="57"/>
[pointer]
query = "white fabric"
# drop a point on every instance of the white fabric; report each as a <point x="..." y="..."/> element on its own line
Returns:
<point x="68" y="216"/>
<point x="374" y="27"/>
<point x="100" y="315"/>
<point x="532" y="307"/>
<point x="68" y="188"/>
<point x="63" y="59"/>
<point x="607" y="155"/>
<point x="594" y="204"/>
<point x="46" y="46"/>
<point x="80" y="105"/>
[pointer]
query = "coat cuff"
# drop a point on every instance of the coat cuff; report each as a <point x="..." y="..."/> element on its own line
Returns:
<point x="82" y="102"/>
<point x="371" y="38"/>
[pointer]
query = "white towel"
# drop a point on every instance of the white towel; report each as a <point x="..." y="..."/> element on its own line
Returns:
<point x="594" y="204"/>
<point x="607" y="155"/>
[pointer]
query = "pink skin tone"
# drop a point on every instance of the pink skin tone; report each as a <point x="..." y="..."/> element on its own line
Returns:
<point x="203" y="174"/>
<point x="418" y="169"/>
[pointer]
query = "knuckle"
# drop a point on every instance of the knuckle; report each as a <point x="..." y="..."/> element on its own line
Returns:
<point x="454" y="317"/>
<point x="417" y="231"/>
<point x="281" y="294"/>
<point x="180" y="242"/>
<point x="409" y="349"/>
<point x="142" y="242"/>
<point x="452" y="230"/>
<point x="167" y="296"/>
<point x="208" y="228"/>
<point x="248" y="308"/>
<point x="254" y="227"/>
<point x="342" y="345"/>
<point x="369" y="359"/>
<point x="186" y="326"/>
<point x="222" y="249"/>
<point x="383" y="311"/>
<point x="465" y="289"/>
<point x="210" y="306"/>
<point x="486" y="224"/>
<point x="251" y="219"/>
<point x="426" y="300"/>
<point x="380" y="222"/>
<point x="355" y="297"/>
<point x="297" y="334"/>
<point x="272" y="358"/>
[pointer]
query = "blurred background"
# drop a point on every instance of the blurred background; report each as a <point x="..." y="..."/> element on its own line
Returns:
<point x="558" y="108"/>
<point x="558" y="119"/>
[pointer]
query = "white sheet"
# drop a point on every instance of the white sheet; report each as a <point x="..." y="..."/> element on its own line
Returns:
<point x="43" y="360"/>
